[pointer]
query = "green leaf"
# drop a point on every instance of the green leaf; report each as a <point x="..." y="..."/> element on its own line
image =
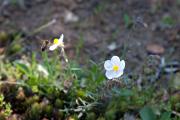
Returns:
<point x="147" y="113"/>
<point x="76" y="69"/>
<point x="22" y="67"/>
<point x="127" y="20"/>
<point x="166" y="116"/>
<point x="35" y="88"/>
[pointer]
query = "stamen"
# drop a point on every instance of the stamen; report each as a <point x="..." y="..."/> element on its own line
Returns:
<point x="115" y="68"/>
<point x="56" y="41"/>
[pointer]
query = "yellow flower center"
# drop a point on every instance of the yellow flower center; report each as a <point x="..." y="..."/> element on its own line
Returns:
<point x="56" y="41"/>
<point x="115" y="68"/>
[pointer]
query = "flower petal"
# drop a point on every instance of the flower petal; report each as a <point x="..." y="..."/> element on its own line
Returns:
<point x="61" y="38"/>
<point x="109" y="74"/>
<point x="108" y="65"/>
<point x="118" y="74"/>
<point x="122" y="65"/>
<point x="53" y="47"/>
<point x="115" y="60"/>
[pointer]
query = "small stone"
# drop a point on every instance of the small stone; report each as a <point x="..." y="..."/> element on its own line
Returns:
<point x="70" y="17"/>
<point x="112" y="46"/>
<point x="155" y="49"/>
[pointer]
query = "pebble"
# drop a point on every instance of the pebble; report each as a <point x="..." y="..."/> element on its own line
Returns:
<point x="155" y="49"/>
<point x="70" y="17"/>
<point x="112" y="46"/>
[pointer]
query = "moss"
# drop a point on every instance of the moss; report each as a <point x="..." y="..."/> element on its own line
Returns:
<point x="123" y="106"/>
<point x="110" y="114"/>
<point x="35" y="112"/>
<point x="175" y="99"/>
<point x="31" y="100"/>
<point x="3" y="36"/>
<point x="91" y="116"/>
<point x="60" y="115"/>
<point x="59" y="103"/>
<point x="47" y="110"/>
<point x="81" y="93"/>
<point x="101" y="118"/>
<point x="15" y="48"/>
<point x="2" y="116"/>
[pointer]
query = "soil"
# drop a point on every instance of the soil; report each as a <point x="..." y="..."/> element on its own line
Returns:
<point x="100" y="24"/>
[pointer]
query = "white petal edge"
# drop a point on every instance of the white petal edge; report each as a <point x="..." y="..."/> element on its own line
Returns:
<point x="109" y="74"/>
<point x="61" y="38"/>
<point x="108" y="65"/>
<point x="122" y="65"/>
<point x="115" y="60"/>
<point x="53" y="47"/>
<point x="118" y="74"/>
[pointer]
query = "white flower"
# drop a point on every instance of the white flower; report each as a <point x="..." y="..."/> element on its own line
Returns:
<point x="57" y="43"/>
<point x="114" y="67"/>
